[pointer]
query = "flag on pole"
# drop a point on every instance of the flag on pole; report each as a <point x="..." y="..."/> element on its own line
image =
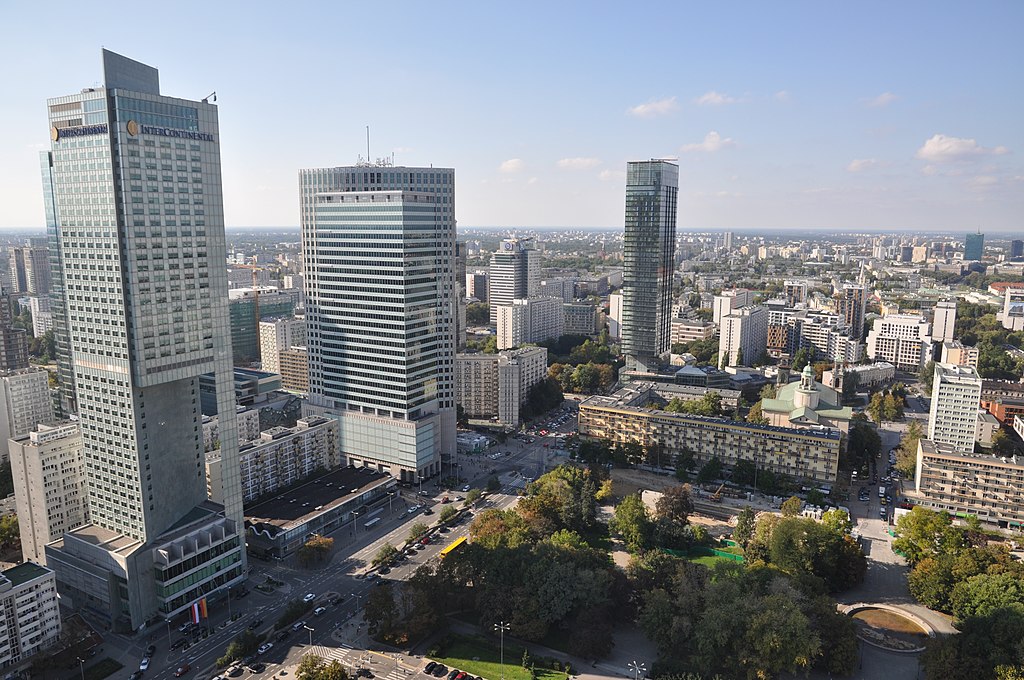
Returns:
<point x="194" y="611"/>
<point x="202" y="608"/>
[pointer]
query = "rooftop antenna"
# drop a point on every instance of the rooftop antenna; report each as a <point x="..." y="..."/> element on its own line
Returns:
<point x="207" y="98"/>
<point x="367" y="143"/>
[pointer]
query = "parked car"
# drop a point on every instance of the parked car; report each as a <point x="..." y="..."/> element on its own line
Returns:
<point x="258" y="667"/>
<point x="297" y="626"/>
<point x="265" y="647"/>
<point x="429" y="667"/>
<point x="309" y="597"/>
<point x="234" y="671"/>
<point x="184" y="627"/>
<point x="282" y="635"/>
<point x="440" y="670"/>
<point x="137" y="675"/>
<point x="144" y="665"/>
<point x="180" y="642"/>
<point x="151" y="650"/>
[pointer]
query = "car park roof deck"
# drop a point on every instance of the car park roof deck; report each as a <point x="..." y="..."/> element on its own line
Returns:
<point x="317" y="495"/>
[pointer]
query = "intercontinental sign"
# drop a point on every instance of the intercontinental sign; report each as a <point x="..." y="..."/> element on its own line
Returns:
<point x="135" y="129"/>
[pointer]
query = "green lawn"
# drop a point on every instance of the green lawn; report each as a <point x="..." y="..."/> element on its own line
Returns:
<point x="102" y="669"/>
<point x="708" y="561"/>
<point x="481" y="657"/>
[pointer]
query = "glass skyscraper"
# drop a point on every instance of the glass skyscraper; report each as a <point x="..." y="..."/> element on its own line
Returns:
<point x="378" y="244"/>
<point x="649" y="249"/>
<point x="132" y="188"/>
<point x="974" y="246"/>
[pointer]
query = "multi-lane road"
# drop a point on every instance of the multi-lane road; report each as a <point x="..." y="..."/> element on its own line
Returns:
<point x="343" y="581"/>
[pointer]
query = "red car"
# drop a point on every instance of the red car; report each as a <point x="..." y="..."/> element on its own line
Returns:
<point x="182" y="669"/>
<point x="426" y="540"/>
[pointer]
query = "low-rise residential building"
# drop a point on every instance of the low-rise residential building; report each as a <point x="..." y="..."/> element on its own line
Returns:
<point x="866" y="376"/>
<point x="988" y="425"/>
<point x="955" y="352"/>
<point x="626" y="416"/>
<point x="902" y="340"/>
<point x="1003" y="399"/>
<point x="248" y="427"/>
<point x="50" y="489"/>
<point x="580" y="318"/>
<point x="42" y="317"/>
<point x="690" y="330"/>
<point x="1018" y="426"/>
<point x="24" y="403"/>
<point x="280" y="457"/>
<point x="988" y="487"/>
<point x="294" y="365"/>
<point x="29" y="615"/>
<point x="489" y="386"/>
<point x="529" y="320"/>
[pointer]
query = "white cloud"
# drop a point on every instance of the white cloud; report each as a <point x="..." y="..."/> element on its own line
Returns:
<point x="609" y="175"/>
<point x="881" y="100"/>
<point x="715" y="99"/>
<point x="512" y="165"/>
<point x="943" y="149"/>
<point x="403" y="149"/>
<point x="532" y="180"/>
<point x="861" y="164"/>
<point x="781" y="96"/>
<point x="712" y="142"/>
<point x="655" y="107"/>
<point x="578" y="163"/>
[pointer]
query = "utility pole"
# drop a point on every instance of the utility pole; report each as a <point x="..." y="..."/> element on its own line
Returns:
<point x="637" y="669"/>
<point x="501" y="627"/>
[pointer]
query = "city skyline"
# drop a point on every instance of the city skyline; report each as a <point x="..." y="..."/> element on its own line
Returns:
<point x="908" y="124"/>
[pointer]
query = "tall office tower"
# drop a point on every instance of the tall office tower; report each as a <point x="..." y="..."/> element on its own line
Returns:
<point x="796" y="292"/>
<point x="13" y="341"/>
<point x="58" y="312"/>
<point x="476" y="286"/>
<point x="378" y="243"/>
<point x="943" y="321"/>
<point x="851" y="304"/>
<point x="1016" y="248"/>
<point x="514" y="274"/>
<point x="30" y="267"/>
<point x="530" y="320"/>
<point x="728" y="301"/>
<point x="279" y="335"/>
<point x="649" y="251"/>
<point x="460" y="294"/>
<point x="974" y="246"/>
<point x="903" y="340"/>
<point x="144" y="326"/>
<point x="727" y="240"/>
<point x="956" y="397"/>
<point x="246" y="308"/>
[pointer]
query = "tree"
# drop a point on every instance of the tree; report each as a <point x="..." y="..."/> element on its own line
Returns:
<point x="744" y="472"/>
<point x="906" y="453"/>
<point x="710" y="470"/>
<point x="1003" y="444"/>
<point x="792" y="506"/>
<point x="416" y="531"/>
<point x="675" y="505"/>
<point x="983" y="594"/>
<point x="315" y="550"/>
<point x="862" y="445"/>
<point x="472" y="496"/>
<point x="755" y="415"/>
<point x="385" y="554"/>
<point x="242" y="646"/>
<point x="876" y="407"/>
<point x="447" y="513"/>
<point x="924" y="533"/>
<point x="801" y="359"/>
<point x="927" y="376"/>
<point x="744" y="526"/>
<point x="313" y="667"/>
<point x="381" y="610"/>
<point x="837" y="521"/>
<point x="478" y="314"/>
<point x="632" y="522"/>
<point x="984" y="644"/>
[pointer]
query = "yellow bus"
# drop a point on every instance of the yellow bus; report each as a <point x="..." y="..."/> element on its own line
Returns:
<point x="453" y="547"/>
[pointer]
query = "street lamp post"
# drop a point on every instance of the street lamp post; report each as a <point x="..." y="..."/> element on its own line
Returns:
<point x="637" y="669"/>
<point x="358" y="597"/>
<point x="81" y="666"/>
<point x="310" y="634"/>
<point x="501" y="627"/>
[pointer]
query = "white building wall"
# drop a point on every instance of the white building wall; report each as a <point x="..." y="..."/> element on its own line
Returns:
<point x="956" y="397"/>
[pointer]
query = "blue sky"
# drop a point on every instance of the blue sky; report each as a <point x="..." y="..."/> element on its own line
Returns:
<point x="783" y="115"/>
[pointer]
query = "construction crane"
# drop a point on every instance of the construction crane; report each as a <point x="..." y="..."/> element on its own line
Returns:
<point x="717" y="495"/>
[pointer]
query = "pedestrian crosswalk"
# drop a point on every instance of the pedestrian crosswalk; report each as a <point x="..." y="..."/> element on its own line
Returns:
<point x="382" y="667"/>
